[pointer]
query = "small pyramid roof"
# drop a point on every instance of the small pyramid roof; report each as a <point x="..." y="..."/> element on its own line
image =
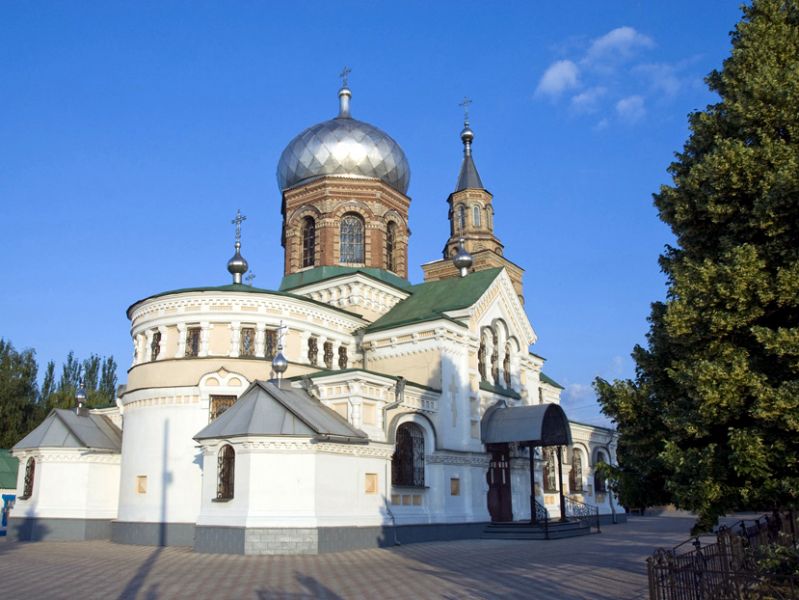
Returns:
<point x="63" y="428"/>
<point x="468" y="178"/>
<point x="280" y="410"/>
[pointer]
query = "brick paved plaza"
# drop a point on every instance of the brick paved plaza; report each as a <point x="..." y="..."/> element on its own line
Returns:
<point x="609" y="565"/>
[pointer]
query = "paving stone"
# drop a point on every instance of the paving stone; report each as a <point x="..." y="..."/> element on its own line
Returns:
<point x="598" y="567"/>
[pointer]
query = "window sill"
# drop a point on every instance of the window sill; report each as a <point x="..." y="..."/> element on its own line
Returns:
<point x="23" y="497"/>
<point x="221" y="499"/>
<point x="409" y="487"/>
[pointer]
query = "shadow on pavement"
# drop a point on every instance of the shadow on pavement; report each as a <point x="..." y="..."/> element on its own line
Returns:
<point x="137" y="581"/>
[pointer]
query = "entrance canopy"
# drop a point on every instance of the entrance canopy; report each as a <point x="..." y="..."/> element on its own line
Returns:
<point x="539" y="425"/>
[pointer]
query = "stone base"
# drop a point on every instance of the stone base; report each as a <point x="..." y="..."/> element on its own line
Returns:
<point x="35" y="529"/>
<point x="152" y="534"/>
<point x="238" y="540"/>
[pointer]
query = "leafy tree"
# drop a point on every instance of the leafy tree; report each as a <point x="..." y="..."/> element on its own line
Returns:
<point x="18" y="393"/>
<point x="717" y="390"/>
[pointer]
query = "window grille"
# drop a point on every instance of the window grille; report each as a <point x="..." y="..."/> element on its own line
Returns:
<point x="270" y="344"/>
<point x="192" y="341"/>
<point x="226" y="470"/>
<point x="328" y="356"/>
<point x="30" y="472"/>
<point x="476" y="215"/>
<point x="308" y="242"/>
<point x="247" y="342"/>
<point x="342" y="357"/>
<point x="391" y="233"/>
<point x="407" y="464"/>
<point x="600" y="486"/>
<point x="155" y="345"/>
<point x="313" y="350"/>
<point x="351" y="239"/>
<point x="576" y="475"/>
<point x="550" y="476"/>
<point x="220" y="404"/>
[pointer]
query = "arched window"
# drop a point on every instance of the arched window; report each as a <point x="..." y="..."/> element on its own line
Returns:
<point x="407" y="464"/>
<point x="576" y="475"/>
<point x="391" y="242"/>
<point x="495" y="357"/>
<point x="476" y="215"/>
<point x="506" y="365"/>
<point x="481" y="358"/>
<point x="226" y="473"/>
<point x="460" y="218"/>
<point x="155" y="346"/>
<point x="600" y="486"/>
<point x="308" y="242"/>
<point x="30" y="472"/>
<point x="352" y="239"/>
<point x="550" y="476"/>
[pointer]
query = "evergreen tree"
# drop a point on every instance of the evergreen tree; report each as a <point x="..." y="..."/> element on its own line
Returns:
<point x="718" y="386"/>
<point x="18" y="393"/>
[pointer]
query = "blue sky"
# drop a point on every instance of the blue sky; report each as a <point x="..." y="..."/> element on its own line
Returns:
<point x="130" y="132"/>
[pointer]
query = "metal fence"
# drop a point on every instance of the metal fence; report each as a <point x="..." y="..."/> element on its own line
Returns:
<point x="728" y="565"/>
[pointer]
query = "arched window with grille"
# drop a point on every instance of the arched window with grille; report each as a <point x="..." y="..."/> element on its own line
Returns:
<point x="391" y="243"/>
<point x="30" y="473"/>
<point x="407" y="464"/>
<point x="308" y="242"/>
<point x="550" y="475"/>
<point x="576" y="475"/>
<point x="226" y="473"/>
<point x="460" y="218"/>
<point x="506" y="365"/>
<point x="352" y="240"/>
<point x="600" y="486"/>
<point x="476" y="220"/>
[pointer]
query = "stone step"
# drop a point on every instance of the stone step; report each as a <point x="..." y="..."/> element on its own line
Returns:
<point x="524" y="531"/>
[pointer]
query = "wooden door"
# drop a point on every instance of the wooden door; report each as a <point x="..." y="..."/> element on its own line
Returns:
<point x="498" y="476"/>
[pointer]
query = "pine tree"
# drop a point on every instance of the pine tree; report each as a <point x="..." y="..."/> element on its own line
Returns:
<point x="18" y="393"/>
<point x="721" y="372"/>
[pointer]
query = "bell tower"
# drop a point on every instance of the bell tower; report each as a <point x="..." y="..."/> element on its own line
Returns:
<point x="471" y="219"/>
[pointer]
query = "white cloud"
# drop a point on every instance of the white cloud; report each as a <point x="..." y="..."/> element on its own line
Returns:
<point x="586" y="102"/>
<point x="560" y="76"/>
<point x="578" y="392"/>
<point x="619" y="44"/>
<point x="601" y="125"/>
<point x="662" y="78"/>
<point x="631" y="108"/>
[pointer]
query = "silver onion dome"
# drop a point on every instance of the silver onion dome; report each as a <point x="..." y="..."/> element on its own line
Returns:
<point x="343" y="146"/>
<point x="462" y="259"/>
<point x="237" y="265"/>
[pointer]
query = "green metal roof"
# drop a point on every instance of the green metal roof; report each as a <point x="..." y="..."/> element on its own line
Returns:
<point x="430" y="300"/>
<point x="248" y="289"/>
<point x="548" y="380"/>
<point x="317" y="274"/>
<point x="329" y="372"/>
<point x="497" y="389"/>
<point x="8" y="470"/>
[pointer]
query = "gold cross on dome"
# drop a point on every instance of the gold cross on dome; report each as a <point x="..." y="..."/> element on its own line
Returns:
<point x="465" y="105"/>
<point x="345" y="73"/>
<point x="240" y="218"/>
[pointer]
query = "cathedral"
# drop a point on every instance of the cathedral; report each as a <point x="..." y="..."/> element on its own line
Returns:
<point x="348" y="408"/>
